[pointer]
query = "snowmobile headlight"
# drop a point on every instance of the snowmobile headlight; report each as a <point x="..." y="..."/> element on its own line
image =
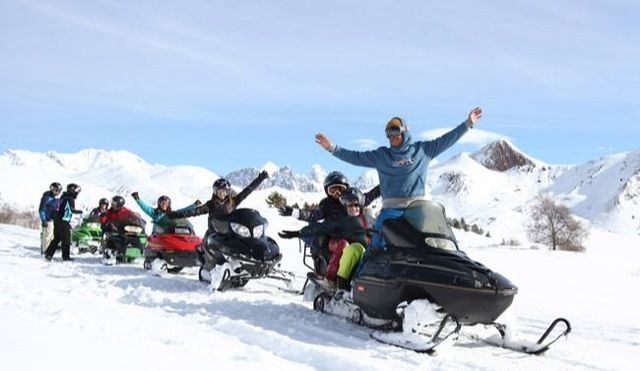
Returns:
<point x="240" y="230"/>
<point x="93" y="225"/>
<point x="440" y="243"/>
<point x="258" y="231"/>
<point x="133" y="229"/>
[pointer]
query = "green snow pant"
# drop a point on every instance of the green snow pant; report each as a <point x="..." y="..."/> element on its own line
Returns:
<point x="351" y="255"/>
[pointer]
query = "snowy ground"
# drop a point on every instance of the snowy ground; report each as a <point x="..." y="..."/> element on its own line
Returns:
<point x="83" y="315"/>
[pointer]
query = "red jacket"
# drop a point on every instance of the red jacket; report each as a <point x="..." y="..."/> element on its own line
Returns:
<point x="112" y="214"/>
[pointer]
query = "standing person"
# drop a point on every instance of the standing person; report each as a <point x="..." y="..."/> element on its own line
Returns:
<point x="48" y="205"/>
<point x="61" y="223"/>
<point x="103" y="205"/>
<point x="402" y="167"/>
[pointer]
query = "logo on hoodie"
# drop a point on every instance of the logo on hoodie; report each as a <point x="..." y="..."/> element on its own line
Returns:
<point x="403" y="162"/>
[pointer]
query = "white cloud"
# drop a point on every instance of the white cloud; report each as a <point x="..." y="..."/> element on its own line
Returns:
<point x="475" y="136"/>
<point x="366" y="143"/>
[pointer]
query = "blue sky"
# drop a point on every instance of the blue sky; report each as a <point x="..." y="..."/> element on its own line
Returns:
<point x="238" y="83"/>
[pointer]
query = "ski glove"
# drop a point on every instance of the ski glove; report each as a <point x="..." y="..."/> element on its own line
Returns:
<point x="289" y="234"/>
<point x="263" y="175"/>
<point x="135" y="196"/>
<point x="198" y="203"/>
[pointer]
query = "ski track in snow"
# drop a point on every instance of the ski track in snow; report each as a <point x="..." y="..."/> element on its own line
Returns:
<point x="83" y="313"/>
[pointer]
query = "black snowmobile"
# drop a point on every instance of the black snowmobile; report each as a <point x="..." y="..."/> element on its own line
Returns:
<point x="239" y="251"/>
<point x="124" y="239"/>
<point x="421" y="263"/>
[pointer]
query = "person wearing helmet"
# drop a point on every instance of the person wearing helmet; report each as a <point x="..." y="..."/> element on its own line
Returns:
<point x="222" y="200"/>
<point x="48" y="205"/>
<point x="402" y="167"/>
<point x="329" y="208"/>
<point x="158" y="215"/>
<point x="349" y="232"/>
<point x="61" y="223"/>
<point x="116" y="211"/>
<point x="103" y="205"/>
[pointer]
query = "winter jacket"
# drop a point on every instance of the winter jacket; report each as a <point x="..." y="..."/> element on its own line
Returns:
<point x="113" y="214"/>
<point x="403" y="170"/>
<point x="46" y="215"/>
<point x="67" y="207"/>
<point x="216" y="206"/>
<point x="331" y="208"/>
<point x="156" y="214"/>
<point x="351" y="228"/>
<point x="95" y="213"/>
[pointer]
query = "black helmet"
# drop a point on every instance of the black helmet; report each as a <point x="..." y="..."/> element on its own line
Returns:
<point x="55" y="187"/>
<point x="103" y="201"/>
<point x="73" y="188"/>
<point x="351" y="196"/>
<point x="117" y="202"/>
<point x="164" y="198"/>
<point x="221" y="183"/>
<point x="335" y="178"/>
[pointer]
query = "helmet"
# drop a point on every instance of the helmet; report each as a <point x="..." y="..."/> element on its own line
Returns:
<point x="395" y="126"/>
<point x="351" y="196"/>
<point x="117" y="202"/>
<point x="55" y="187"/>
<point x="164" y="198"/>
<point x="73" y="188"/>
<point x="221" y="183"/>
<point x="103" y="201"/>
<point x="335" y="178"/>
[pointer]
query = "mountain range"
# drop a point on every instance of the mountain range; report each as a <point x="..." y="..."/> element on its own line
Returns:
<point x="494" y="186"/>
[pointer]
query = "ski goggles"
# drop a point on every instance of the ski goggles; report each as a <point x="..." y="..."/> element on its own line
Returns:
<point x="394" y="131"/>
<point x="336" y="189"/>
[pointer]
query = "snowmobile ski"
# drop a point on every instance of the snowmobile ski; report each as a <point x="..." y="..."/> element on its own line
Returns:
<point x="420" y="343"/>
<point x="539" y="347"/>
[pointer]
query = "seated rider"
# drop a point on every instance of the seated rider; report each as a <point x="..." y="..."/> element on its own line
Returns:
<point x="116" y="211"/>
<point x="95" y="214"/>
<point x="351" y="229"/>
<point x="326" y="254"/>
<point x="159" y="214"/>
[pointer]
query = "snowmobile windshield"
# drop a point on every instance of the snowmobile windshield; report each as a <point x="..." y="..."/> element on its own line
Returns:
<point x="175" y="226"/>
<point x="129" y="218"/>
<point x="429" y="218"/>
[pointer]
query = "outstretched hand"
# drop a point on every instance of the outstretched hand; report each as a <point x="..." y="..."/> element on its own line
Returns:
<point x="263" y="175"/>
<point x="324" y="142"/>
<point x="135" y="196"/>
<point x="474" y="115"/>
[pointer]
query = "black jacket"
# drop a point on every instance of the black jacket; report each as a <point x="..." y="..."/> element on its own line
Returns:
<point x="351" y="228"/>
<point x="216" y="206"/>
<point x="67" y="207"/>
<point x="330" y="208"/>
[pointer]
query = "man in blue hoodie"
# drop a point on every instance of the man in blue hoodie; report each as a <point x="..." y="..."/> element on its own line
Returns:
<point x="402" y="167"/>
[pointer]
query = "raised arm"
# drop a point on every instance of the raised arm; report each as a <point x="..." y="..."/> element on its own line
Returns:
<point x="358" y="158"/>
<point x="370" y="196"/>
<point x="188" y="213"/>
<point x="251" y="187"/>
<point x="435" y="147"/>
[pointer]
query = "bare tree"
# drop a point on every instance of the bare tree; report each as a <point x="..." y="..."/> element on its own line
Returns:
<point x="553" y="225"/>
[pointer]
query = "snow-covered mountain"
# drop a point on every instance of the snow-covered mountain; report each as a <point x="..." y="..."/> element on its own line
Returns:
<point x="494" y="186"/>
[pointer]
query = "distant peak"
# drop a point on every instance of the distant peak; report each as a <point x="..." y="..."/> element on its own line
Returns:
<point x="270" y="168"/>
<point x="502" y="155"/>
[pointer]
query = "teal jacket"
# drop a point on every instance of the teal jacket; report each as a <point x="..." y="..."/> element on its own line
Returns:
<point x="403" y="170"/>
<point x="157" y="215"/>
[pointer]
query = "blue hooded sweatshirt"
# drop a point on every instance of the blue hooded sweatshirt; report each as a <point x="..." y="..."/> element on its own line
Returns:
<point x="403" y="170"/>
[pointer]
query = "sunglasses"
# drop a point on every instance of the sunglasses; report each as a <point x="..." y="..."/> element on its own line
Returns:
<point x="392" y="132"/>
<point x="336" y="188"/>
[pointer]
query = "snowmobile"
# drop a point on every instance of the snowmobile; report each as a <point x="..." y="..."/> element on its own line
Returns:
<point x="171" y="247"/>
<point x="88" y="235"/>
<point x="422" y="270"/>
<point x="124" y="239"/>
<point x="238" y="250"/>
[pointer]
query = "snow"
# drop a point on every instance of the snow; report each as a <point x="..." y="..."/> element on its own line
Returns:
<point x="84" y="314"/>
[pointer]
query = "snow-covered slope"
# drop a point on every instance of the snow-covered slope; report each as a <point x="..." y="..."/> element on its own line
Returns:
<point x="83" y="315"/>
